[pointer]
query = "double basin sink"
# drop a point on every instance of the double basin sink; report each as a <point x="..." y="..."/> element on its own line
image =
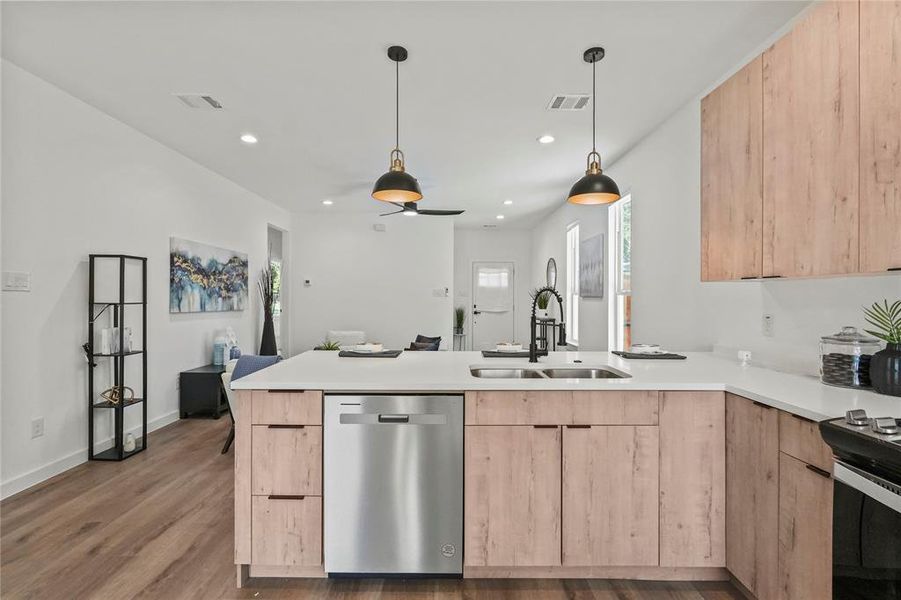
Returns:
<point x="548" y="373"/>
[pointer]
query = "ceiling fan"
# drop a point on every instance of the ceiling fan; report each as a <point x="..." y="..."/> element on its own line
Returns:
<point x="411" y="209"/>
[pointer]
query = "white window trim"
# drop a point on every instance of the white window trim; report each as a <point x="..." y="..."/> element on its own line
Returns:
<point x="572" y="284"/>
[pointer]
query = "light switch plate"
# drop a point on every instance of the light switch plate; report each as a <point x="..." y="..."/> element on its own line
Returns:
<point x="768" y="325"/>
<point x="16" y="281"/>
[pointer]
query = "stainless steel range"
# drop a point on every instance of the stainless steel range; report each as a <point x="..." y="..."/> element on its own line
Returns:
<point x="866" y="531"/>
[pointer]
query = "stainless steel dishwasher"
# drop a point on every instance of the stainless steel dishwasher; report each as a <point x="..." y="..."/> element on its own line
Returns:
<point x="393" y="497"/>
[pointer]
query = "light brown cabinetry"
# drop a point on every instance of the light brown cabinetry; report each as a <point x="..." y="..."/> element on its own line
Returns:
<point x="752" y="495"/>
<point x="286" y="531"/>
<point x="692" y="479"/>
<point x="512" y="482"/>
<point x="287" y="459"/>
<point x="800" y="437"/>
<point x="732" y="177"/>
<point x="561" y="408"/>
<point x="805" y="530"/>
<point x="880" y="135"/>
<point x="610" y="495"/>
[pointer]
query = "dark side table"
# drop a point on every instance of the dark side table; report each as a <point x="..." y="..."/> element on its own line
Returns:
<point x="200" y="392"/>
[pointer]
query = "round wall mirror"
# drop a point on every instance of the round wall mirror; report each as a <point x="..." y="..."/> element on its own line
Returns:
<point x="551" y="272"/>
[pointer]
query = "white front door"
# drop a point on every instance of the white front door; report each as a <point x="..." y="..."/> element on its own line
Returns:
<point x="492" y="304"/>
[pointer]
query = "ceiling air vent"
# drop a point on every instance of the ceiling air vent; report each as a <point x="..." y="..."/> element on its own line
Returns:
<point x="200" y="101"/>
<point x="568" y="102"/>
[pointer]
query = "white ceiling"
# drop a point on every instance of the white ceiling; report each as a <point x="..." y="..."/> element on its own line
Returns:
<point x="312" y="81"/>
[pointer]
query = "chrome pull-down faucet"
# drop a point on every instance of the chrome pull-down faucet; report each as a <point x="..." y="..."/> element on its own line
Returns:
<point x="533" y="344"/>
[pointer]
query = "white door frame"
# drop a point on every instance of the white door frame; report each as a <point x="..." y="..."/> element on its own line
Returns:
<point x="472" y="295"/>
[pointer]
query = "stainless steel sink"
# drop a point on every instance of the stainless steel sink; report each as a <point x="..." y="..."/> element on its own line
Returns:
<point x="585" y="373"/>
<point x="490" y="373"/>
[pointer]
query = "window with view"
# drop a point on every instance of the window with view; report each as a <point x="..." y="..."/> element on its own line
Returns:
<point x="572" y="285"/>
<point x="622" y="306"/>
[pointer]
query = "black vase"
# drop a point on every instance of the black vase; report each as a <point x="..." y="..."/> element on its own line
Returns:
<point x="885" y="370"/>
<point x="268" y="347"/>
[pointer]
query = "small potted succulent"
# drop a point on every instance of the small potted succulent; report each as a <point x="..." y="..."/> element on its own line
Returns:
<point x="885" y="366"/>
<point x="544" y="299"/>
<point x="459" y="319"/>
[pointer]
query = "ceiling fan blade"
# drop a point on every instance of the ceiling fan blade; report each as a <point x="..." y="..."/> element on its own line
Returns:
<point x="397" y="212"/>
<point x="440" y="213"/>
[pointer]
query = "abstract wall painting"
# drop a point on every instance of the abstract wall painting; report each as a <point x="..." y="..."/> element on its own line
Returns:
<point x="591" y="267"/>
<point x="205" y="278"/>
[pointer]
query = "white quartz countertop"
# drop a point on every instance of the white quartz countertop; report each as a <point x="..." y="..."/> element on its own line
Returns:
<point x="802" y="395"/>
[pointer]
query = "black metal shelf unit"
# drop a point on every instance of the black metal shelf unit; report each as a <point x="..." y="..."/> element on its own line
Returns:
<point x="97" y="405"/>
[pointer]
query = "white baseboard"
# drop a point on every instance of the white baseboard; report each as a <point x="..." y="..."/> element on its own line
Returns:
<point x="55" y="467"/>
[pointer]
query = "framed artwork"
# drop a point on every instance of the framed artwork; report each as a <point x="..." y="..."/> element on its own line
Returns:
<point x="591" y="267"/>
<point x="205" y="278"/>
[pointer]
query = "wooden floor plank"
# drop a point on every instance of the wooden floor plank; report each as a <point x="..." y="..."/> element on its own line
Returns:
<point x="160" y="526"/>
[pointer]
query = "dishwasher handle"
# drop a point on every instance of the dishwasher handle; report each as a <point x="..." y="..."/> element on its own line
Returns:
<point x="394" y="418"/>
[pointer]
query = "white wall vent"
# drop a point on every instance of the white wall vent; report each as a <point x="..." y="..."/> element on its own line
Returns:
<point x="199" y="101"/>
<point x="569" y="102"/>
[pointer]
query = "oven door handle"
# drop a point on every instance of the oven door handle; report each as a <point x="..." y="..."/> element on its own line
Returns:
<point x="873" y="486"/>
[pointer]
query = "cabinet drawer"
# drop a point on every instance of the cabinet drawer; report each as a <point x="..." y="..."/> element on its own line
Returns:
<point x="287" y="459"/>
<point x="561" y="408"/>
<point x="286" y="408"/>
<point x="801" y="438"/>
<point x="286" y="531"/>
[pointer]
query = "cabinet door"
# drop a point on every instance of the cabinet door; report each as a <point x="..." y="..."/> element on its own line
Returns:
<point x="752" y="494"/>
<point x="610" y="496"/>
<point x="811" y="147"/>
<point x="732" y="177"/>
<point x="880" y="136"/>
<point x="286" y="531"/>
<point x="805" y="531"/>
<point x="512" y="496"/>
<point x="692" y="479"/>
<point x="287" y="459"/>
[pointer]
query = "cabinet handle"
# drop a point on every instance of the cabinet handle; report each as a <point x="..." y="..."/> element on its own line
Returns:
<point x="545" y="426"/>
<point x="750" y="277"/>
<point x="761" y="404"/>
<point x="281" y="426"/>
<point x="819" y="471"/>
<point x="771" y="277"/>
<point x="286" y="391"/>
<point x="285" y="497"/>
<point x="578" y="426"/>
<point x="894" y="269"/>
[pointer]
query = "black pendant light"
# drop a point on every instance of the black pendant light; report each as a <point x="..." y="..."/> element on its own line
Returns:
<point x="595" y="187"/>
<point x="397" y="185"/>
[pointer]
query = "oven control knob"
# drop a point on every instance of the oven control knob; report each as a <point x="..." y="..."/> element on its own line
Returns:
<point x="885" y="425"/>
<point x="857" y="417"/>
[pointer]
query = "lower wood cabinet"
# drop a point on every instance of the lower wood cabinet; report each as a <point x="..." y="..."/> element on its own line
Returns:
<point x="287" y="459"/>
<point x="692" y="479"/>
<point x="610" y="502"/>
<point x="805" y="530"/>
<point x="512" y="495"/>
<point x="287" y="531"/>
<point x="752" y="495"/>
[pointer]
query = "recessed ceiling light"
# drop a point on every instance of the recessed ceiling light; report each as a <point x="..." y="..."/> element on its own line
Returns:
<point x="249" y="138"/>
<point x="508" y="202"/>
<point x="327" y="202"/>
<point x="499" y="217"/>
<point x="546" y="139"/>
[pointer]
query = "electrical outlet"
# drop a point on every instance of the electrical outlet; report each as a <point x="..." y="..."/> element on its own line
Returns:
<point x="37" y="427"/>
<point x="768" y="325"/>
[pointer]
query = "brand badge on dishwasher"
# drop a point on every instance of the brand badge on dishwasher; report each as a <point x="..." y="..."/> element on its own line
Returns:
<point x="448" y="550"/>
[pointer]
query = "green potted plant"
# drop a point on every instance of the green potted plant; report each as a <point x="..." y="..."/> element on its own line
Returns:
<point x="544" y="299"/>
<point x="327" y="344"/>
<point x="459" y="319"/>
<point x="885" y="366"/>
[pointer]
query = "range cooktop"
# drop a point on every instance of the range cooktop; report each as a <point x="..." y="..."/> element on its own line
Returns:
<point x="872" y="444"/>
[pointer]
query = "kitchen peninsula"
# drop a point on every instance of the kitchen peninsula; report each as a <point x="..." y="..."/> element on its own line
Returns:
<point x="622" y="476"/>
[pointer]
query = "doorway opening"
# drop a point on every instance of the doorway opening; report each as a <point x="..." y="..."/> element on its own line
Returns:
<point x="493" y="316"/>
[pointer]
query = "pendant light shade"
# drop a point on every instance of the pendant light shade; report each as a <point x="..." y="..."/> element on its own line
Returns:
<point x="594" y="187"/>
<point x="397" y="185"/>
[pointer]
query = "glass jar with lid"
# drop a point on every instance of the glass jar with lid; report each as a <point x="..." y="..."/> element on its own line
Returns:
<point x="845" y="358"/>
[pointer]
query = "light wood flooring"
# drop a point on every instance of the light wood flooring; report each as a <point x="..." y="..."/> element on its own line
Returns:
<point x="159" y="525"/>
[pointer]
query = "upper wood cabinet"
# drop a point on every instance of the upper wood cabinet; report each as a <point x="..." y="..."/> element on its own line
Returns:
<point x="610" y="505"/>
<point x="752" y="495"/>
<point x="732" y="177"/>
<point x="880" y="136"/>
<point x="810" y="140"/>
<point x="692" y="479"/>
<point x="512" y="496"/>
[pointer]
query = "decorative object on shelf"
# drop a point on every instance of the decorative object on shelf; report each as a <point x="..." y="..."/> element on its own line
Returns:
<point x="234" y="353"/>
<point x="268" y="345"/>
<point x="591" y="267"/>
<point x="845" y="358"/>
<point x="551" y="273"/>
<point x="397" y="185"/>
<point x="459" y="319"/>
<point x="328" y="345"/>
<point x="205" y="278"/>
<point x="542" y="302"/>
<point x="220" y="346"/>
<point x="122" y="347"/>
<point x="885" y="366"/>
<point x="594" y="187"/>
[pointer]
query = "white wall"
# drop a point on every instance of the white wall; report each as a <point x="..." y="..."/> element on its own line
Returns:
<point x="549" y="241"/>
<point x="514" y="245"/>
<point x="383" y="283"/>
<point x="76" y="181"/>
<point x="671" y="306"/>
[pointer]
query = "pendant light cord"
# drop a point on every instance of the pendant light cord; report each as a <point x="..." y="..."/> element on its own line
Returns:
<point x="396" y="105"/>
<point x="594" y="104"/>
